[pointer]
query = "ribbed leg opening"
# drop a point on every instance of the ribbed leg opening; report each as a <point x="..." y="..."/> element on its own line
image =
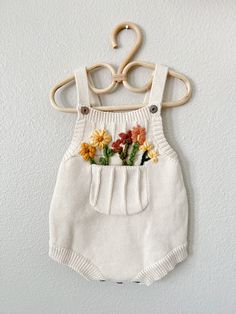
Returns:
<point x="75" y="261"/>
<point x="160" y="269"/>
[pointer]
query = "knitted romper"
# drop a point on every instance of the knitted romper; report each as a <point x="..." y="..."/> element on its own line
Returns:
<point x="119" y="210"/>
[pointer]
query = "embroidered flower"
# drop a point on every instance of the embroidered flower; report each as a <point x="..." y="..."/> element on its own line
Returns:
<point x="116" y="146"/>
<point x="138" y="134"/>
<point x="126" y="138"/>
<point x="99" y="138"/>
<point x="127" y="146"/>
<point x="87" y="151"/>
<point x="153" y="155"/>
<point x="145" y="147"/>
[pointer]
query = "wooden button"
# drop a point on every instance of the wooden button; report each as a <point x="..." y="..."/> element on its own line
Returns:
<point x="153" y="108"/>
<point x="84" y="110"/>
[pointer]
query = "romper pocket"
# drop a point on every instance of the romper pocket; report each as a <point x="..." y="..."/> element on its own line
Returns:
<point x="119" y="190"/>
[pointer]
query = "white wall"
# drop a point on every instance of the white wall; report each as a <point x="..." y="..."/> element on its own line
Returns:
<point x="41" y="43"/>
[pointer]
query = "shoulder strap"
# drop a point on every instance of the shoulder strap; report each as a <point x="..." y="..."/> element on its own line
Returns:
<point x="84" y="95"/>
<point x="82" y="87"/>
<point x="158" y="85"/>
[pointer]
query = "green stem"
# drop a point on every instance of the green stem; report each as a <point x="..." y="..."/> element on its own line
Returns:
<point x="124" y="154"/>
<point x="92" y="161"/>
<point x="126" y="150"/>
<point x="133" y="153"/>
<point x="107" y="153"/>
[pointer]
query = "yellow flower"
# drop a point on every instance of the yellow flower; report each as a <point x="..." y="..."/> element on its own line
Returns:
<point x="145" y="147"/>
<point x="87" y="151"/>
<point x="99" y="138"/>
<point x="153" y="155"/>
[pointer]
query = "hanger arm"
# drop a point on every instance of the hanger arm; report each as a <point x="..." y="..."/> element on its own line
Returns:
<point x="52" y="95"/>
<point x="168" y="104"/>
<point x="147" y="86"/>
<point x="187" y="95"/>
<point x="121" y="76"/>
<point x="71" y="78"/>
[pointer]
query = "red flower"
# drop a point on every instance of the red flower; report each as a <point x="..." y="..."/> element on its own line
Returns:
<point x="126" y="137"/>
<point x="138" y="134"/>
<point x="116" y="146"/>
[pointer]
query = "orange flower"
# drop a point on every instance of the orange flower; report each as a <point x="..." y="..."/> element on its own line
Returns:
<point x="87" y="151"/>
<point x="138" y="134"/>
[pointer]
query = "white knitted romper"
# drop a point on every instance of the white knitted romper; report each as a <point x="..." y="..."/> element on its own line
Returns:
<point x="119" y="210"/>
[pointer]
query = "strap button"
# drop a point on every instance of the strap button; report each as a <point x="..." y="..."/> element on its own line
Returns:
<point x="84" y="110"/>
<point x="153" y="108"/>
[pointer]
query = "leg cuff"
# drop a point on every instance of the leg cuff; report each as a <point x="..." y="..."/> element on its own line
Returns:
<point x="158" y="270"/>
<point x="75" y="261"/>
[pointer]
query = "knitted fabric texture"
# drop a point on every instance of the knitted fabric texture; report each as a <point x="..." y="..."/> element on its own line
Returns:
<point x="119" y="210"/>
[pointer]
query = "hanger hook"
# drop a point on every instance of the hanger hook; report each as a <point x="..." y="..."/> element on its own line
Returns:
<point x="116" y="31"/>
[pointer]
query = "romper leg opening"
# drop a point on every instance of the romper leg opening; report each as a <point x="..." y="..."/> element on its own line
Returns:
<point x="160" y="269"/>
<point x="77" y="262"/>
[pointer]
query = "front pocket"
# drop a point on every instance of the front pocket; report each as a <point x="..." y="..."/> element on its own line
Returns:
<point x="119" y="190"/>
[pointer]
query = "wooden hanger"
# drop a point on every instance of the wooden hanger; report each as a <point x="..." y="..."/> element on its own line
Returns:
<point x="121" y="77"/>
